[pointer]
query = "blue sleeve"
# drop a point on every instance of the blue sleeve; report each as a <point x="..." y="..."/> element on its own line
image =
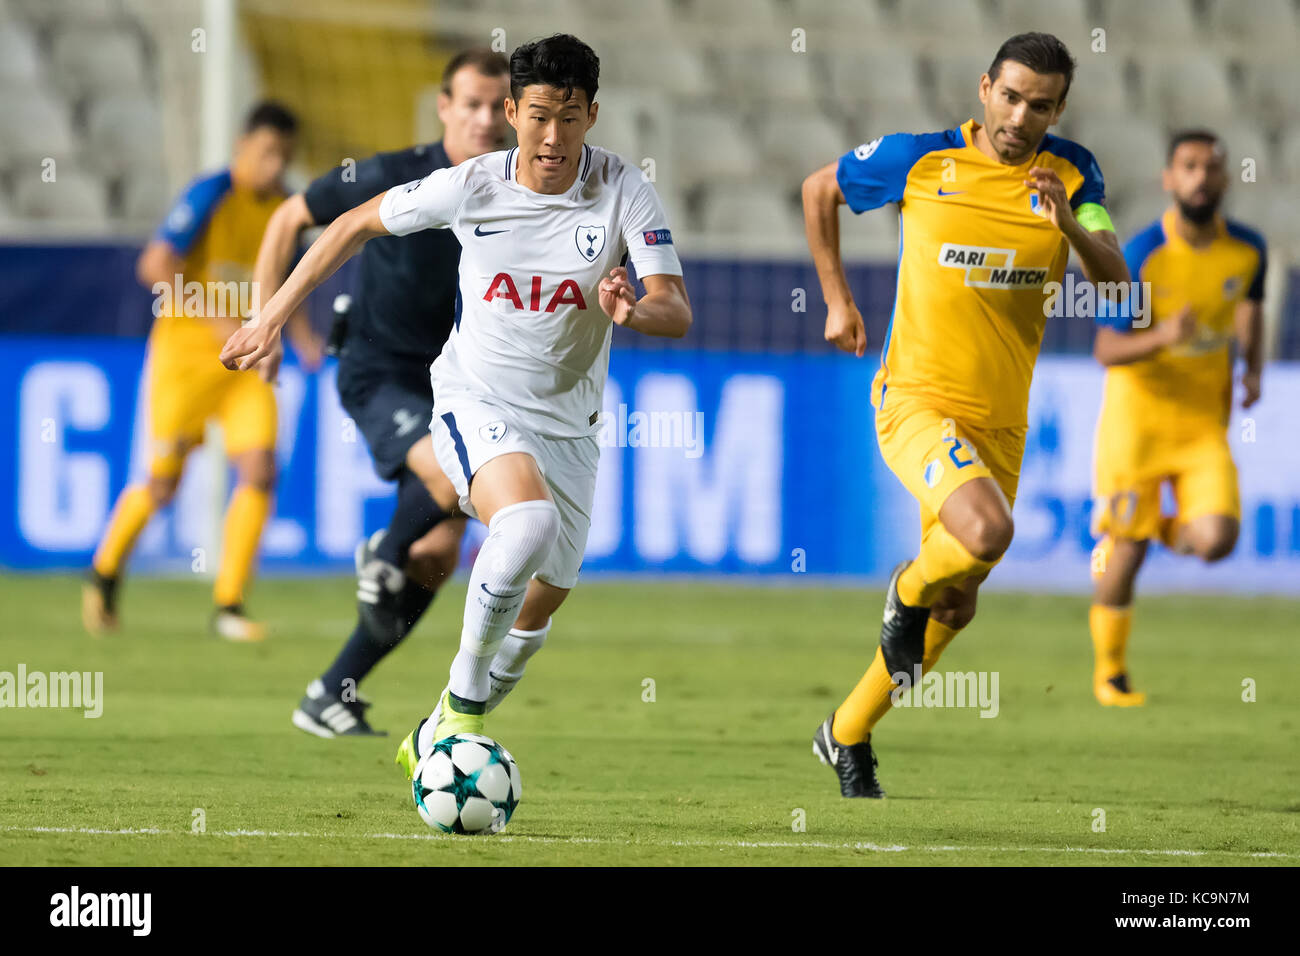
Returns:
<point x="346" y="187"/>
<point x="876" y="173"/>
<point x="1119" y="315"/>
<point x="1252" y="238"/>
<point x="192" y="209"/>
<point x="1094" y="186"/>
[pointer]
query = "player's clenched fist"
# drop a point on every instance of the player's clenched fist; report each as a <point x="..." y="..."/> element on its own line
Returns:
<point x="248" y="346"/>
<point x="617" y="297"/>
<point x="844" y="328"/>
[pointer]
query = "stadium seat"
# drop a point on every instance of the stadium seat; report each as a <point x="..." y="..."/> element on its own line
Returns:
<point x="879" y="76"/>
<point x="1132" y="27"/>
<point x="1289" y="156"/>
<point x="123" y="132"/>
<point x="98" y="61"/>
<point x="1261" y="23"/>
<point x="1245" y="140"/>
<point x="795" y="145"/>
<point x="34" y="124"/>
<point x="709" y="143"/>
<point x="1190" y="92"/>
<point x="955" y="18"/>
<point x="956" y="84"/>
<point x="145" y="197"/>
<point x="668" y="67"/>
<point x="1066" y="19"/>
<point x="1272" y="90"/>
<point x="850" y="19"/>
<point x="1135" y="206"/>
<point x="750" y="210"/>
<point x="20" y="58"/>
<point x="49" y="14"/>
<point x="769" y="75"/>
<point x="75" y="198"/>
<point x="619" y="124"/>
<point x="1101" y="87"/>
<point x="1128" y="149"/>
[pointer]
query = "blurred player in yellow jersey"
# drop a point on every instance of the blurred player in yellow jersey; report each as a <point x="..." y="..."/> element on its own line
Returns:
<point x="199" y="265"/>
<point x="1168" y="394"/>
<point x="988" y="214"/>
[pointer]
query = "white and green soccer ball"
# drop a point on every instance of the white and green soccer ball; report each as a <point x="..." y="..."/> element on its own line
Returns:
<point x="468" y="783"/>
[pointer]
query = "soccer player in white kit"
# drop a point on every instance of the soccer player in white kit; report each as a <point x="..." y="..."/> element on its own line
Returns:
<point x="544" y="228"/>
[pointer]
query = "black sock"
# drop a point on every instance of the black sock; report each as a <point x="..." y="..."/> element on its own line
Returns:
<point x="415" y="516"/>
<point x="363" y="651"/>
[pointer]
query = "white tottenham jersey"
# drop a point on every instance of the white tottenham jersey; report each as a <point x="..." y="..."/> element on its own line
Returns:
<point x="531" y="335"/>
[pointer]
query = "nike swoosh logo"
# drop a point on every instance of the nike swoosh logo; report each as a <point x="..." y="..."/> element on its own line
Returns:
<point x="958" y="192"/>
<point x="500" y="597"/>
<point x="830" y="747"/>
<point x="478" y="231"/>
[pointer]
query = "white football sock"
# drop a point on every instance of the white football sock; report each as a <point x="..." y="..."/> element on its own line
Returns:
<point x="508" y="665"/>
<point x="520" y="536"/>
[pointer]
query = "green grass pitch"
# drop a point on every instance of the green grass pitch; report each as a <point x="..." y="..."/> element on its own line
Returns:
<point x="717" y="769"/>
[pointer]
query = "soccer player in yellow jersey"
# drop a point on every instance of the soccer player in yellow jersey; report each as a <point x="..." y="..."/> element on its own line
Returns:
<point x="988" y="213"/>
<point x="209" y="238"/>
<point x="1168" y="394"/>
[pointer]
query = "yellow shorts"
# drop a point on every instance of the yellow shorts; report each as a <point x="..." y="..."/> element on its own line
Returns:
<point x="188" y="386"/>
<point x="933" y="454"/>
<point x="1126" y="492"/>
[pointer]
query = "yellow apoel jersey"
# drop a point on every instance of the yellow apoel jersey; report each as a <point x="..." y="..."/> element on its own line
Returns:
<point x="1179" y="392"/>
<point x="974" y="256"/>
<point x="216" y="227"/>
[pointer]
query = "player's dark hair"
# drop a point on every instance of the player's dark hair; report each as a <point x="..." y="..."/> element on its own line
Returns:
<point x="488" y="62"/>
<point x="275" y="115"/>
<point x="1190" y="136"/>
<point x="1041" y="52"/>
<point x="562" y="61"/>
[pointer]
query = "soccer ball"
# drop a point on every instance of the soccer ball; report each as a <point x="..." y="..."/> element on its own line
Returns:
<point x="468" y="783"/>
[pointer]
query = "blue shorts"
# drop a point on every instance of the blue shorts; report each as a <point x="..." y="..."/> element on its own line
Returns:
<point x="392" y="405"/>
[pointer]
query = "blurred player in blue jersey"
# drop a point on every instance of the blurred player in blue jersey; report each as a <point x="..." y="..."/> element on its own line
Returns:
<point x="402" y="313"/>
<point x="1168" y="395"/>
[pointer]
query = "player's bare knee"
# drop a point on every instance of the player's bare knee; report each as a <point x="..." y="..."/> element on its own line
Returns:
<point x="990" y="536"/>
<point x="162" y="489"/>
<point x="955" y="616"/>
<point x="258" y="471"/>
<point x="1217" y="547"/>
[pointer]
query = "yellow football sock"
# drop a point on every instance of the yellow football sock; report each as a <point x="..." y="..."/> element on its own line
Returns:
<point x="937" y="637"/>
<point x="134" y="508"/>
<point x="245" y="516"/>
<point x="871" y="700"/>
<point x="1110" y="627"/>
<point x="943" y="561"/>
<point x="865" y="705"/>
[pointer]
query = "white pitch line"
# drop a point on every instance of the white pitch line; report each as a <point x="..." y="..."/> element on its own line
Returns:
<point x="702" y="844"/>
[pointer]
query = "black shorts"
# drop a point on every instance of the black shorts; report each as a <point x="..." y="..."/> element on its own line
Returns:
<point x="392" y="404"/>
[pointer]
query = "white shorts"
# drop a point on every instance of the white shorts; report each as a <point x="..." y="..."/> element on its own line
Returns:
<point x="469" y="432"/>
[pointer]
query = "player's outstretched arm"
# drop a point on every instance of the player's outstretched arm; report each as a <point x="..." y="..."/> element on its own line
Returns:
<point x="1114" y="347"/>
<point x="822" y="199"/>
<point x="1249" y="320"/>
<point x="274" y="254"/>
<point x="664" y="310"/>
<point x="338" y="243"/>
